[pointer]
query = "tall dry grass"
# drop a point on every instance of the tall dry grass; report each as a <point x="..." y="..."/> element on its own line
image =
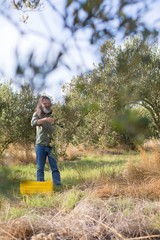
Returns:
<point x="19" y="154"/>
<point x="148" y="169"/>
<point x="140" y="179"/>
<point x="151" y="144"/>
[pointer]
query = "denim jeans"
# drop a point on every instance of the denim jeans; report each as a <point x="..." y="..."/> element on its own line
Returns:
<point x="42" y="152"/>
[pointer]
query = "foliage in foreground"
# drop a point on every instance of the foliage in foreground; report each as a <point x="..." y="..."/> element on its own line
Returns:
<point x="78" y="21"/>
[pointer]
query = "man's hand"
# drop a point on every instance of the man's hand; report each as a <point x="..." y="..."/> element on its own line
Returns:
<point x="49" y="120"/>
<point x="43" y="120"/>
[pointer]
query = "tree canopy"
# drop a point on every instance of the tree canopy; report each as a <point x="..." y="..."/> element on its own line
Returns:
<point x="119" y="100"/>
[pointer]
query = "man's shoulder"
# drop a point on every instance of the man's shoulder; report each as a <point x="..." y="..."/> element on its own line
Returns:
<point x="35" y="114"/>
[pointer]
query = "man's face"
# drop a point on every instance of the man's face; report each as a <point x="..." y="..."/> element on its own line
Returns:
<point x="46" y="104"/>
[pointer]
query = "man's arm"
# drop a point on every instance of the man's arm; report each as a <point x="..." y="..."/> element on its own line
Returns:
<point x="43" y="120"/>
<point x="35" y="121"/>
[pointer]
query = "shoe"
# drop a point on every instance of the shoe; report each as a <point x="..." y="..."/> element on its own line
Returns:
<point x="57" y="187"/>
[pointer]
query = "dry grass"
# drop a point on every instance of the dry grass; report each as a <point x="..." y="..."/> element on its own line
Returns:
<point x="18" y="229"/>
<point x="74" y="152"/>
<point x="148" y="169"/>
<point x="147" y="190"/>
<point x="91" y="219"/>
<point x="139" y="180"/>
<point x="151" y="145"/>
<point x="19" y="154"/>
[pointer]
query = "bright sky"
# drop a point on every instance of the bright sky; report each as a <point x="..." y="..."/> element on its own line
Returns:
<point x="38" y="22"/>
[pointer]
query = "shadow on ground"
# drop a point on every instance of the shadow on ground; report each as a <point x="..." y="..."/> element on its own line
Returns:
<point x="9" y="183"/>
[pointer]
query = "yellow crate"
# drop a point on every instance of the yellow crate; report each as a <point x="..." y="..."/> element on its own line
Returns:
<point x="32" y="187"/>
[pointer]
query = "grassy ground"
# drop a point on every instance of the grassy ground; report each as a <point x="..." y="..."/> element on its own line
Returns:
<point x="111" y="196"/>
<point x="86" y="170"/>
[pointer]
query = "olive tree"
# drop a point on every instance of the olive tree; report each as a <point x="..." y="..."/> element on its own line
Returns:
<point x="137" y="69"/>
<point x="16" y="112"/>
<point x="107" y="103"/>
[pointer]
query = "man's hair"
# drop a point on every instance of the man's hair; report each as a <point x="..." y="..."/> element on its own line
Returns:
<point x="39" y="109"/>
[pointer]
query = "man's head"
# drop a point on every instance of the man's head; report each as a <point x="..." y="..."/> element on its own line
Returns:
<point x="44" y="105"/>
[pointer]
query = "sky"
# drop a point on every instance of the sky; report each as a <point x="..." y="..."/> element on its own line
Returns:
<point x="39" y="22"/>
<point x="10" y="39"/>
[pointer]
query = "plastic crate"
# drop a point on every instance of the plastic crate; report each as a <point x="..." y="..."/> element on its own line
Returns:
<point x="33" y="187"/>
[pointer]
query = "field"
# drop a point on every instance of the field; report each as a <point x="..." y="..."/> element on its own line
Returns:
<point x="107" y="195"/>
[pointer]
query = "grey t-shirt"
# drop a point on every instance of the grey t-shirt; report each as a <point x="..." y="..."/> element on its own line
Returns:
<point x="43" y="131"/>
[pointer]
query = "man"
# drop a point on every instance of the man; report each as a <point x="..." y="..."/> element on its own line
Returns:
<point x="43" y="122"/>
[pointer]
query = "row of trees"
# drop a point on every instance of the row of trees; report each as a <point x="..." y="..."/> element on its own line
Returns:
<point x="118" y="102"/>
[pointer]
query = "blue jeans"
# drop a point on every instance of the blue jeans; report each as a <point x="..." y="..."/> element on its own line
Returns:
<point x="42" y="152"/>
